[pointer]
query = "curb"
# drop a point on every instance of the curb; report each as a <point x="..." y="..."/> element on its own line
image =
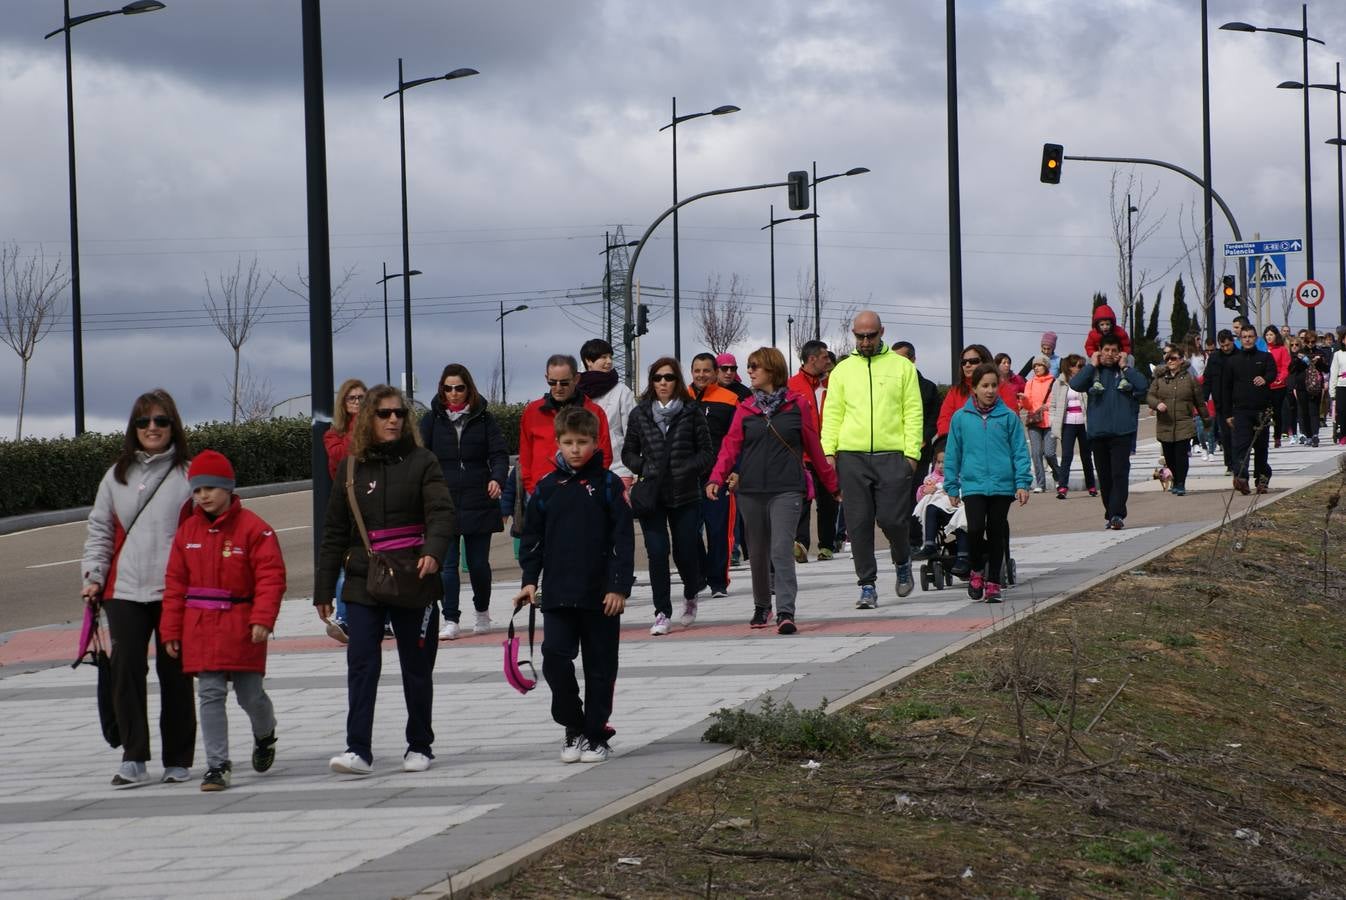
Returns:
<point x="498" y="869"/>
<point x="29" y="521"/>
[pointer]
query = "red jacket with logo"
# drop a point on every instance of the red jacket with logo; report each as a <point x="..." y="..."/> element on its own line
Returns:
<point x="537" y="440"/>
<point x="235" y="557"/>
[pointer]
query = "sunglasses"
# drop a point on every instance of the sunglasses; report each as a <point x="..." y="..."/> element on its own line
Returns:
<point x="663" y="376"/>
<point x="728" y="368"/>
<point x="143" y="422"/>
<point x="865" y="335"/>
<point x="400" y="412"/>
<point x="753" y="367"/>
<point x="972" y="362"/>
<point x="454" y="388"/>
<point x="559" y="382"/>
<point x="1172" y="358"/>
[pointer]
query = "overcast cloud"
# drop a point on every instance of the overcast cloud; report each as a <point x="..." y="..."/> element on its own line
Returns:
<point x="190" y="141"/>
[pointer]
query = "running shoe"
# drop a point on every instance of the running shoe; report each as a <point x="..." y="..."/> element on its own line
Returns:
<point x="976" y="586"/>
<point x="761" y="617"/>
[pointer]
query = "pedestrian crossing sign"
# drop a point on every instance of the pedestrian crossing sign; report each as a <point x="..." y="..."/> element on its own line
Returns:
<point x="1267" y="269"/>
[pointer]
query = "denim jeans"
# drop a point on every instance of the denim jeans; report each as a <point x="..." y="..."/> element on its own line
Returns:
<point x="680" y="528"/>
<point x="478" y="570"/>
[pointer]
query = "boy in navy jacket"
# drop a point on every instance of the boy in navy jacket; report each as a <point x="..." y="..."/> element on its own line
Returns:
<point x="578" y="530"/>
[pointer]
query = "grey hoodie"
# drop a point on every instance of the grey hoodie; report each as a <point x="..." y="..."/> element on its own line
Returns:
<point x="138" y="570"/>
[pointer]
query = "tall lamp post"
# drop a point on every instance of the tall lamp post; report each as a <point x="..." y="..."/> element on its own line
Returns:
<point x="1130" y="259"/>
<point x="608" y="247"/>
<point x="770" y="226"/>
<point x="130" y="9"/>
<point x="790" y="333"/>
<point x="1207" y="211"/>
<point x="677" y="292"/>
<point x="501" y="319"/>
<point x="1337" y="142"/>
<point x="387" y="350"/>
<point x="402" y="87"/>
<point x="817" y="293"/>
<point x="1303" y="35"/>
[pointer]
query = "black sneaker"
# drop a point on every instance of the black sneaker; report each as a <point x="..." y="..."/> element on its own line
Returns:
<point x="761" y="617"/>
<point x="264" y="752"/>
<point x="785" y="624"/>
<point x="217" y="778"/>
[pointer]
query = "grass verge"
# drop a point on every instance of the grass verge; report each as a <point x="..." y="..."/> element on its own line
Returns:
<point x="1179" y="731"/>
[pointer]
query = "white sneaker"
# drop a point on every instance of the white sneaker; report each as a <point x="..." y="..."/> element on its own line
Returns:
<point x="688" y="613"/>
<point x="716" y="595"/>
<point x="176" y="775"/>
<point x="131" y="775"/>
<point x="415" y="761"/>
<point x="1206" y="456"/>
<point x="573" y="748"/>
<point x="449" y="631"/>
<point x="595" y="753"/>
<point x="483" y="623"/>
<point x="660" y="625"/>
<point x="1037" y="489"/>
<point x="349" y="763"/>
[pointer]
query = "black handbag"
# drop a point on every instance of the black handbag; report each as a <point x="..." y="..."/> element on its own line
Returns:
<point x="107" y="713"/>
<point x="393" y="577"/>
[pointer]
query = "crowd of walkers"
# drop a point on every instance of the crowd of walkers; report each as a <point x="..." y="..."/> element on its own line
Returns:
<point x="714" y="471"/>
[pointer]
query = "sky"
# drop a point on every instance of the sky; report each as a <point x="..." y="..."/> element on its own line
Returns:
<point x="190" y="145"/>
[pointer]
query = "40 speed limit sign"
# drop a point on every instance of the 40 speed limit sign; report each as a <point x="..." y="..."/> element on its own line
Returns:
<point x="1309" y="293"/>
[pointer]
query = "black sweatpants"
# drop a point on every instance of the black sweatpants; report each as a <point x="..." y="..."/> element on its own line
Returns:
<point x="827" y="516"/>
<point x="417" y="635"/>
<point x="1112" y="463"/>
<point x="988" y="532"/>
<point x="1175" y="456"/>
<point x="131" y="624"/>
<point x="1251" y="440"/>
<point x="568" y="633"/>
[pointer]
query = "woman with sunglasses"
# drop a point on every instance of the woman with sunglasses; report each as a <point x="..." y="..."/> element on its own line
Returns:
<point x="668" y="442"/>
<point x="1175" y="398"/>
<point x="131" y="526"/>
<point x="464" y="436"/>
<point x="403" y="503"/>
<point x="973" y="355"/>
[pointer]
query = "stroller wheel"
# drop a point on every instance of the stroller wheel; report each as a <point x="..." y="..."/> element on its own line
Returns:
<point x="925" y="578"/>
<point x="937" y="576"/>
<point x="948" y="579"/>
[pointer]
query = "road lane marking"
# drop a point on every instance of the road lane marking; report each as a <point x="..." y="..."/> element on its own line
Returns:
<point x="62" y="562"/>
<point x="291" y="528"/>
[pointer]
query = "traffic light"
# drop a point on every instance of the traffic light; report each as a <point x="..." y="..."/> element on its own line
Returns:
<point x="799" y="189"/>
<point x="642" y="319"/>
<point x="1052" y="155"/>
<point x="1230" y="293"/>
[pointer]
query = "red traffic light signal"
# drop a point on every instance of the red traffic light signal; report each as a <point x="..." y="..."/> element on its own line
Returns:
<point x="1052" y="156"/>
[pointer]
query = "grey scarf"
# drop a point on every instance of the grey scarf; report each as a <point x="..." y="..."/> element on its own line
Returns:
<point x="664" y="415"/>
<point x="769" y="403"/>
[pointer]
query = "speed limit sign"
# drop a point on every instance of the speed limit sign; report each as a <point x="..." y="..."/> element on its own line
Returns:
<point x="1309" y="293"/>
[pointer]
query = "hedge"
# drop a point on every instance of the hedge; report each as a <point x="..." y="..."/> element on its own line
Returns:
<point x="63" y="473"/>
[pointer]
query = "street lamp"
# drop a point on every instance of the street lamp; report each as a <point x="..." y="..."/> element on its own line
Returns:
<point x="677" y="292"/>
<point x="817" y="294"/>
<point x="608" y="247"/>
<point x="1130" y="258"/>
<point x="770" y="226"/>
<point x="1303" y="35"/>
<point x="387" y="354"/>
<point x="402" y="87"/>
<point x="1337" y="142"/>
<point x="501" y="319"/>
<point x="790" y="332"/>
<point x="130" y="9"/>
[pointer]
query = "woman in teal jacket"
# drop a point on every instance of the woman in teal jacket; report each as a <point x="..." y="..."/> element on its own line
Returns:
<point x="986" y="467"/>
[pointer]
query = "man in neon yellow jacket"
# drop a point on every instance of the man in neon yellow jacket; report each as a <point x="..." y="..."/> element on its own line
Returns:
<point x="872" y="433"/>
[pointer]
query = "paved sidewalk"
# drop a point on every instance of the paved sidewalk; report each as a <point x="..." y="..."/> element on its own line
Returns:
<point x="497" y="782"/>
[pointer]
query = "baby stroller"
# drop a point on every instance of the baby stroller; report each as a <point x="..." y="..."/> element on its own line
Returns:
<point x="937" y="571"/>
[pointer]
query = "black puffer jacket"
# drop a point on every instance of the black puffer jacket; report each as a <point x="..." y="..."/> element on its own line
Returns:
<point x="397" y="484"/>
<point x="470" y="462"/>
<point x="688" y="440"/>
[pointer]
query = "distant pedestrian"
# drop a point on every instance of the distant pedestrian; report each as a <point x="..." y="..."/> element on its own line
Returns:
<point x="1069" y="417"/>
<point x="141" y="501"/>
<point x="973" y="355"/>
<point x="1036" y="412"/>
<point x="1047" y="349"/>
<point x="872" y="433"/>
<point x="1175" y="398"/>
<point x="1115" y="393"/>
<point x="1212" y="389"/>
<point x="578" y="542"/>
<point x="1246" y="385"/>
<point x="336" y="441"/>
<point x="466" y="439"/>
<point x="1336" y="383"/>
<point x="398" y="501"/>
<point x="537" y="427"/>
<point x="222" y="593"/>
<point x="718" y="516"/>
<point x="1011" y="382"/>
<point x="930" y="401"/>
<point x="1280" y="382"/>
<point x="810" y="383"/>
<point x="600" y="383"/>
<point x="1104" y="322"/>
<point x="772" y="435"/>
<point x="986" y="468"/>
<point x="668" y="443"/>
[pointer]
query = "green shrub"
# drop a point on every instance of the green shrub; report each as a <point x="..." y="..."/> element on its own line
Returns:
<point x="784" y="730"/>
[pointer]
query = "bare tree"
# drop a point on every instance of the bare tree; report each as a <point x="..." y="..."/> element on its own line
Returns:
<point x="1139" y="226"/>
<point x="723" y="320"/>
<point x="1287" y="305"/>
<point x="256" y="398"/>
<point x="29" y="306"/>
<point x="345" y="311"/>
<point x="844" y="341"/>
<point x="804" y="317"/>
<point x="235" y="312"/>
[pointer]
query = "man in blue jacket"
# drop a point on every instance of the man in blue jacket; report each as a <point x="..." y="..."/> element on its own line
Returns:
<point x="1115" y="393"/>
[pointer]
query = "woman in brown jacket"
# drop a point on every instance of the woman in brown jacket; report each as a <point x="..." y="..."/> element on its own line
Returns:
<point x="1175" y="398"/>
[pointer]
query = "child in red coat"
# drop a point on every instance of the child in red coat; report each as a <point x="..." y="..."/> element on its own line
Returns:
<point x="222" y="594"/>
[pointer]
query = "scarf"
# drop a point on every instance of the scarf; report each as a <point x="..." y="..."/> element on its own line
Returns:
<point x="664" y="414"/>
<point x="454" y="413"/>
<point x="594" y="384"/>
<point x="769" y="403"/>
<point x="984" y="410"/>
<point x="550" y="405"/>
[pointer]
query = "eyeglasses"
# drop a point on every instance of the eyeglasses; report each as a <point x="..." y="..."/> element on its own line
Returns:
<point x="455" y="388"/>
<point x="865" y="335"/>
<point x="559" y="382"/>
<point x="666" y="376"/>
<point x="753" y="367"/>
<point x="400" y="412"/>
<point x="728" y="368"/>
<point x="1172" y="358"/>
<point x="143" y="422"/>
<point x="972" y="361"/>
<point x="354" y="398"/>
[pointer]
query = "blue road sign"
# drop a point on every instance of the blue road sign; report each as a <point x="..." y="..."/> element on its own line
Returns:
<point x="1262" y="248"/>
<point x="1268" y="270"/>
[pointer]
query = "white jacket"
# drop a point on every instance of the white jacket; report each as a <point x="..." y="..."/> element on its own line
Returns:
<point x="1337" y="377"/>
<point x="617" y="405"/>
<point x="137" y="572"/>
